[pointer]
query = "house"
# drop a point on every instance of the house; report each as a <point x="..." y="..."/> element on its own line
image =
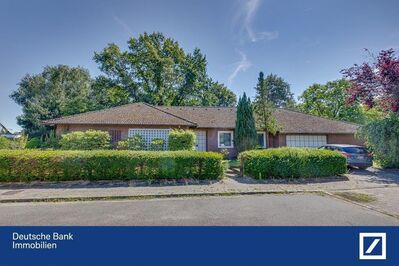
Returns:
<point x="4" y="132"/>
<point x="214" y="126"/>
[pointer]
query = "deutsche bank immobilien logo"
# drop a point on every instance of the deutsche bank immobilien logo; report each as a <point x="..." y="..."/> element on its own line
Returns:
<point x="372" y="246"/>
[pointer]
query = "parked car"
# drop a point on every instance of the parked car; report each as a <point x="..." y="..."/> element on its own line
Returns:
<point x="356" y="156"/>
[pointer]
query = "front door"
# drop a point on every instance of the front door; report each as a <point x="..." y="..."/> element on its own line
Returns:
<point x="200" y="142"/>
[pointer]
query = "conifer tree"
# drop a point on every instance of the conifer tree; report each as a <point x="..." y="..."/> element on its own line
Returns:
<point x="263" y="108"/>
<point x="245" y="132"/>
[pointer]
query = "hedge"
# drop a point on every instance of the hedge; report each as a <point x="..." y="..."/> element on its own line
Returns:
<point x="31" y="165"/>
<point x="292" y="162"/>
<point x="180" y="139"/>
<point x="85" y="140"/>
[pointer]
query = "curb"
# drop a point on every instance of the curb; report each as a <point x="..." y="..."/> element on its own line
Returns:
<point x="158" y="196"/>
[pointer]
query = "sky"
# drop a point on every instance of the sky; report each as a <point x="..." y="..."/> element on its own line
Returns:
<point x="304" y="42"/>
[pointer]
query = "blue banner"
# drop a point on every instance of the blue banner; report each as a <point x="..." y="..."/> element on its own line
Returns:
<point x="199" y="245"/>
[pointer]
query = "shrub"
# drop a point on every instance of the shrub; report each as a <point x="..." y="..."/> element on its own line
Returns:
<point x="181" y="140"/>
<point x="33" y="143"/>
<point x="4" y="143"/>
<point x="292" y="162"/>
<point x="18" y="143"/>
<point x="55" y="165"/>
<point x="382" y="139"/>
<point x="51" y="141"/>
<point x="122" y="145"/>
<point x="157" y="144"/>
<point x="87" y="140"/>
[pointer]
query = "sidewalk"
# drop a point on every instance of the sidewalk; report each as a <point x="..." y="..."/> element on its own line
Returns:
<point x="232" y="184"/>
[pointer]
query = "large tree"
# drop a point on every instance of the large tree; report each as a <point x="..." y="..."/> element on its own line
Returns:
<point x="278" y="91"/>
<point x="245" y="135"/>
<point x="329" y="100"/>
<point x="156" y="70"/>
<point x="376" y="83"/>
<point x="58" y="90"/>
<point x="263" y="107"/>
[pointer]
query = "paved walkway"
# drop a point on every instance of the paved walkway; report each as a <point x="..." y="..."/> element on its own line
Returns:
<point x="384" y="184"/>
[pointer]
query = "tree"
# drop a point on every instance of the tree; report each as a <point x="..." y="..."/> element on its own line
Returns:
<point x="104" y="93"/>
<point x="382" y="138"/>
<point x="57" y="91"/>
<point x="264" y="108"/>
<point x="156" y="70"/>
<point x="279" y="92"/>
<point x="376" y="83"/>
<point x="245" y="131"/>
<point x="329" y="100"/>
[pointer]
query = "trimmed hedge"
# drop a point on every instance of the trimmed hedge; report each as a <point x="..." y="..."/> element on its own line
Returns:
<point x="85" y="140"/>
<point x="180" y="139"/>
<point x="292" y="162"/>
<point x="30" y="165"/>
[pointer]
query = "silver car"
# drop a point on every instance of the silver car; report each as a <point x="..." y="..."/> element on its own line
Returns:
<point x="356" y="156"/>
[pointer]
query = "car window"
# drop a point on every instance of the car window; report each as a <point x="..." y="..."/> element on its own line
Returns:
<point x="355" y="150"/>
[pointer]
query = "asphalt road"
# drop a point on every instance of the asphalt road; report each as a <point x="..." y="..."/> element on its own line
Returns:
<point x="287" y="209"/>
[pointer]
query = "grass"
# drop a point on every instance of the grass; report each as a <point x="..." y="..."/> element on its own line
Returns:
<point x="357" y="197"/>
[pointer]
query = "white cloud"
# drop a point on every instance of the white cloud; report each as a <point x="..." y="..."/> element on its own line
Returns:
<point x="240" y="66"/>
<point x="125" y="27"/>
<point x="246" y="14"/>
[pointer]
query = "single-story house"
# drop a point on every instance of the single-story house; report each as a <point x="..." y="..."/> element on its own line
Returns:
<point x="214" y="126"/>
<point x="4" y="132"/>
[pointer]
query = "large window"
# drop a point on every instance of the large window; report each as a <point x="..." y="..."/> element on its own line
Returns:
<point x="262" y="139"/>
<point x="225" y="139"/>
<point x="311" y="141"/>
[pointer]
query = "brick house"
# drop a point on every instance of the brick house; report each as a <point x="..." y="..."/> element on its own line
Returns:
<point x="214" y="126"/>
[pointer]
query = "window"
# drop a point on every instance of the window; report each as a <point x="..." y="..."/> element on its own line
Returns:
<point x="262" y="139"/>
<point x="116" y="135"/>
<point x="225" y="139"/>
<point x="310" y="141"/>
<point x="149" y="134"/>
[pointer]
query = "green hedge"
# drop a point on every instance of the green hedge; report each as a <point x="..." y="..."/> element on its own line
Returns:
<point x="30" y="165"/>
<point x="85" y="140"/>
<point x="292" y="162"/>
<point x="180" y="139"/>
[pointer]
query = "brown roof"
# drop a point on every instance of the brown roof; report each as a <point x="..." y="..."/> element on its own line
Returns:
<point x="202" y="117"/>
<point x="129" y="114"/>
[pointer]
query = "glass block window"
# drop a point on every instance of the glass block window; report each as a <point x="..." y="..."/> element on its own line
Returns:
<point x="225" y="139"/>
<point x="149" y="134"/>
<point x="310" y="141"/>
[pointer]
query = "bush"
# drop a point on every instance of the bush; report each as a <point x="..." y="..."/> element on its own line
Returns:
<point x="181" y="140"/>
<point x="157" y="144"/>
<point x="4" y="143"/>
<point x="292" y="162"/>
<point x="18" y="143"/>
<point x="87" y="140"/>
<point x="122" y="145"/>
<point x="382" y="139"/>
<point x="51" y="141"/>
<point x="135" y="143"/>
<point x="33" y="143"/>
<point x="51" y="165"/>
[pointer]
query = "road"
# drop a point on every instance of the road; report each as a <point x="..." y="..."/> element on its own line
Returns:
<point x="281" y="209"/>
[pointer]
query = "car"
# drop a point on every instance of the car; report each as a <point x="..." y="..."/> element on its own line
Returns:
<point x="356" y="156"/>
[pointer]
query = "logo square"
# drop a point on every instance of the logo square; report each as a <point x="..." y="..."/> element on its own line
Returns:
<point x="372" y="246"/>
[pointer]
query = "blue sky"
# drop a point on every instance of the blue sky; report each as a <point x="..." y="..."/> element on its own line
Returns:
<point x="304" y="41"/>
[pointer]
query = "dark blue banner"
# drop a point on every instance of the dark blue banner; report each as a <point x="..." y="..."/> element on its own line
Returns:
<point x="199" y="246"/>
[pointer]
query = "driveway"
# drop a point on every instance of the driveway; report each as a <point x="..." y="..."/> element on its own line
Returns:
<point x="280" y="209"/>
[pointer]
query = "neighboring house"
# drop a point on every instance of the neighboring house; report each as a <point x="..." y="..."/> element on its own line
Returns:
<point x="214" y="126"/>
<point x="4" y="132"/>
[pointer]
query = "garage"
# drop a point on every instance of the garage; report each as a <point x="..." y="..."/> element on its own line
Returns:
<point x="309" y="141"/>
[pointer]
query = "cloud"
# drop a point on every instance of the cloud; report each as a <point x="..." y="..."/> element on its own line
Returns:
<point x="240" y="66"/>
<point x="124" y="26"/>
<point x="246" y="14"/>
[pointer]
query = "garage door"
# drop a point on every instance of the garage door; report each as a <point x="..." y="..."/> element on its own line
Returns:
<point x="311" y="141"/>
<point x="200" y="142"/>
